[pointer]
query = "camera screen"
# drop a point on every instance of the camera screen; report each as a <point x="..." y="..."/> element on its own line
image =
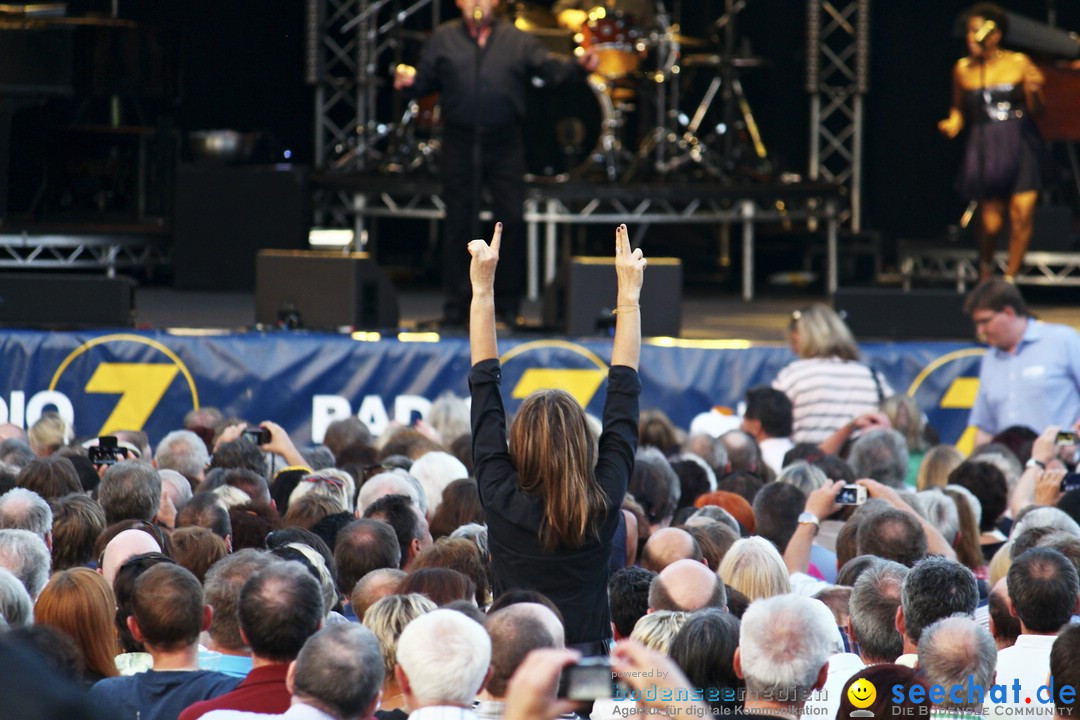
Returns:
<point x="257" y="436"/>
<point x="847" y="496"/>
<point x="1066" y="437"/>
<point x="586" y="682"/>
<point x="103" y="455"/>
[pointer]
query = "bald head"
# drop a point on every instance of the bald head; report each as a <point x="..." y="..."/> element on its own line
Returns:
<point x="373" y="587"/>
<point x="667" y="546"/>
<point x="125" y="545"/>
<point x="686" y="585"/>
<point x="515" y="631"/>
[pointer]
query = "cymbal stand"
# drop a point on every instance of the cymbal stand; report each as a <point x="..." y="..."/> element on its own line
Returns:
<point x="658" y="140"/>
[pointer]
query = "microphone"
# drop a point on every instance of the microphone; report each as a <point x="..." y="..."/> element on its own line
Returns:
<point x="478" y="15"/>
<point x="984" y="31"/>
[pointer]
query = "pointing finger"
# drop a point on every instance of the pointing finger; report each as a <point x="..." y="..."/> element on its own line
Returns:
<point x="496" y="238"/>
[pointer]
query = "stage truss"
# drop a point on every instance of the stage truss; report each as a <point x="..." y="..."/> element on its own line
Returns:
<point x="962" y="267"/>
<point x="837" y="78"/>
<point x="109" y="252"/>
<point x="550" y="207"/>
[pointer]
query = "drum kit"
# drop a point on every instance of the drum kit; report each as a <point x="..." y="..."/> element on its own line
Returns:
<point x="627" y="123"/>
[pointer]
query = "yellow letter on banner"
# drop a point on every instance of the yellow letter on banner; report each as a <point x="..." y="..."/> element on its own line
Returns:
<point x="582" y="384"/>
<point x="961" y="396"/>
<point x="140" y="387"/>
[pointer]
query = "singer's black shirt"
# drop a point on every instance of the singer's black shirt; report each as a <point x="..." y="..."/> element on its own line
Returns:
<point x="509" y="60"/>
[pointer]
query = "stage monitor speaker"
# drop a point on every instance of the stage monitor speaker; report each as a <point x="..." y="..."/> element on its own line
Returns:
<point x="54" y="300"/>
<point x="580" y="299"/>
<point x="323" y="290"/>
<point x="896" y="314"/>
<point x="226" y="214"/>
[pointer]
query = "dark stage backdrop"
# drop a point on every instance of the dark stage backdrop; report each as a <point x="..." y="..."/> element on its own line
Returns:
<point x="243" y="65"/>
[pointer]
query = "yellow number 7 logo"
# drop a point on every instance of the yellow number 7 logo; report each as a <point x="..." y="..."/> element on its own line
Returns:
<point x="140" y="387"/>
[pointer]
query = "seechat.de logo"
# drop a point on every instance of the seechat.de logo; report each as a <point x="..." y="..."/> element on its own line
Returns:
<point x="862" y="694"/>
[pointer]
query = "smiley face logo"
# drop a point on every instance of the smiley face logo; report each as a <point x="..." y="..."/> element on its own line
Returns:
<point x="862" y="693"/>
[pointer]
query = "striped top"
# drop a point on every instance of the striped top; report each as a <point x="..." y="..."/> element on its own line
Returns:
<point x="827" y="393"/>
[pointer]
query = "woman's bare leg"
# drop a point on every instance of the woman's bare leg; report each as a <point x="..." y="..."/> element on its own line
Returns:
<point x="992" y="220"/>
<point x="1021" y="221"/>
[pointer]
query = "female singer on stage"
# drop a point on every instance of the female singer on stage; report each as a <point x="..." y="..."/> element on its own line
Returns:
<point x="995" y="92"/>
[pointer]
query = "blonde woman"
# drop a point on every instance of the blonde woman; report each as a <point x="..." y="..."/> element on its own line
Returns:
<point x="753" y="566"/>
<point x="387" y="618"/>
<point x="552" y="498"/>
<point x="936" y="465"/>
<point x="656" y="630"/>
<point x="828" y="387"/>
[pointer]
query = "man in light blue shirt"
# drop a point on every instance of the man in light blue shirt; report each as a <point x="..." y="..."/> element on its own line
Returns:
<point x="1030" y="375"/>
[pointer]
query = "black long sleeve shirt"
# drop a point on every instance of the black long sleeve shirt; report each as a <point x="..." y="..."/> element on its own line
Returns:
<point x="575" y="579"/>
<point x="508" y="61"/>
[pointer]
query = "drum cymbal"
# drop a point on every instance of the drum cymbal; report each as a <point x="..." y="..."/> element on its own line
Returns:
<point x="687" y="40"/>
<point x="528" y="17"/>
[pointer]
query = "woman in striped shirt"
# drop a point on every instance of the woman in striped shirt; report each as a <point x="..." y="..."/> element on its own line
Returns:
<point x="829" y="388"/>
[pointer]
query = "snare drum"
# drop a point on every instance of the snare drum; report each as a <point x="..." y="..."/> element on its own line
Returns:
<point x="565" y="129"/>
<point x="613" y="35"/>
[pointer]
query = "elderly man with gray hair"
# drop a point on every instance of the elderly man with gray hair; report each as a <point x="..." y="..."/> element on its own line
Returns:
<point x="515" y="631"/>
<point x="444" y="660"/>
<point x="22" y="509"/>
<point x="783" y="656"/>
<point x="959" y="655"/>
<point x="336" y="676"/>
<point x="873" y="604"/>
<point x="25" y="555"/>
<point x="392" y="482"/>
<point x="130" y="490"/>
<point x="882" y="455"/>
<point x="184" y="452"/>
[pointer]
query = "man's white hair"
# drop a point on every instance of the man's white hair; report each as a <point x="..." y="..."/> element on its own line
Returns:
<point x="784" y="641"/>
<point x="446" y="656"/>
<point x="392" y="482"/>
<point x="1048" y="517"/>
<point x="176" y="485"/>
<point x="435" y="470"/>
<point x="26" y="556"/>
<point x="941" y="512"/>
<point x="16" y="607"/>
<point x="22" y="509"/>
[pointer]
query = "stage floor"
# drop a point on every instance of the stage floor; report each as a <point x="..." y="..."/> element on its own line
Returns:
<point x="706" y="315"/>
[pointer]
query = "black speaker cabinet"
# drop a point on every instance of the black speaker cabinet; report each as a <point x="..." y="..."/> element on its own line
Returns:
<point x="897" y="314"/>
<point x="66" y="301"/>
<point x="323" y="290"/>
<point x="225" y="214"/>
<point x="580" y="299"/>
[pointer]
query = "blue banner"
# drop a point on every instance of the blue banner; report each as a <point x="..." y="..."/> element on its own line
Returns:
<point x="103" y="381"/>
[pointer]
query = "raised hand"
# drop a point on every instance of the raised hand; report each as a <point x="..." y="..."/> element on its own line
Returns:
<point x="629" y="268"/>
<point x="484" y="259"/>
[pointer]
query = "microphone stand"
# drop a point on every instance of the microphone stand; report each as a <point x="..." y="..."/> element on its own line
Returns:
<point x="980" y="127"/>
<point x="477" y="156"/>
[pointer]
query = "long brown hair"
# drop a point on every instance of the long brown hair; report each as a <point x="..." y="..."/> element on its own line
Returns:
<point x="554" y="455"/>
<point x="80" y="603"/>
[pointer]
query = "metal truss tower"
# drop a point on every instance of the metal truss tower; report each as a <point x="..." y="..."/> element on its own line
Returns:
<point x="837" y="78"/>
<point x="352" y="47"/>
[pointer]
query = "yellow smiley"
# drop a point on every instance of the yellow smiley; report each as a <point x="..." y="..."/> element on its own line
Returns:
<point x="862" y="693"/>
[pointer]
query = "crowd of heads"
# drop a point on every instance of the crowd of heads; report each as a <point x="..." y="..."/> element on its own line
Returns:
<point x="365" y="562"/>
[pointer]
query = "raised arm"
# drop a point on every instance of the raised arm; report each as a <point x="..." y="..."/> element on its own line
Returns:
<point x="951" y="126"/>
<point x="630" y="269"/>
<point x="482" y="310"/>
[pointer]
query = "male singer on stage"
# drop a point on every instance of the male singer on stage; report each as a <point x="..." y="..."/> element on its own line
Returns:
<point x="482" y="66"/>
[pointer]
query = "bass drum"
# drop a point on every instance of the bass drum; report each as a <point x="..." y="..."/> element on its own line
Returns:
<point x="565" y="129"/>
